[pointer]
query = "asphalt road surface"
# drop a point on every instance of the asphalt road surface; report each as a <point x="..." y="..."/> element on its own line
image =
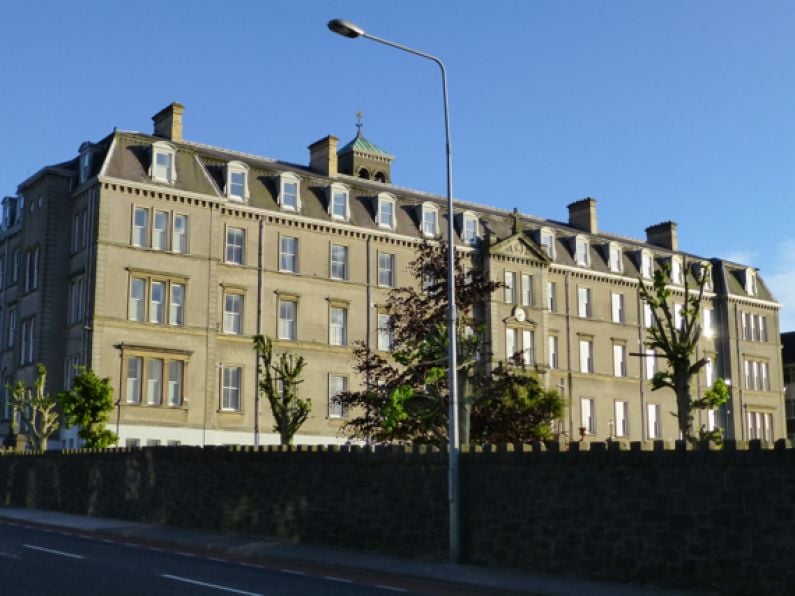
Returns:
<point x="45" y="562"/>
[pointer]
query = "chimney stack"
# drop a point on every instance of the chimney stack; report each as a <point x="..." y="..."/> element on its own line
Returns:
<point x="323" y="156"/>
<point x="168" y="122"/>
<point x="582" y="215"/>
<point x="663" y="234"/>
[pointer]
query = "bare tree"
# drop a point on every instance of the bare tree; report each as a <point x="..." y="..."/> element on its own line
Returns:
<point x="37" y="410"/>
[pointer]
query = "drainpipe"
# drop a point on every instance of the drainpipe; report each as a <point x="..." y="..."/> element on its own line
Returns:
<point x="569" y="375"/>
<point x="259" y="328"/>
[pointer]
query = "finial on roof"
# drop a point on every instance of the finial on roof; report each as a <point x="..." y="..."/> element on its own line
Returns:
<point x="515" y="216"/>
<point x="359" y="123"/>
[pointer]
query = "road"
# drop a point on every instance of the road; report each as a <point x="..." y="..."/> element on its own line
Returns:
<point x="56" y="562"/>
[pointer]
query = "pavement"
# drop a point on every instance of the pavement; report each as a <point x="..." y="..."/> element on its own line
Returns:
<point x="253" y="548"/>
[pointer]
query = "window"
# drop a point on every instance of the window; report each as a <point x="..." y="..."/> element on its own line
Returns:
<point x="617" y="307"/>
<point x="385" y="334"/>
<point x="527" y="289"/>
<point x="339" y="262"/>
<point x="76" y="232"/>
<point x="157" y="301"/>
<point x="134" y="374"/>
<point x="586" y="356"/>
<point x="582" y="253"/>
<point x="761" y="324"/>
<point x="757" y="375"/>
<point x="132" y="443"/>
<point x="750" y="282"/>
<point x="619" y="360"/>
<point x="160" y="231"/>
<point x="12" y="326"/>
<point x="237" y="181"/>
<point x="511" y="342"/>
<point x="622" y="418"/>
<point x="528" y="347"/>
<point x="547" y="241"/>
<point x="235" y="245"/>
<point x="230" y="388"/>
<point x="162" y="169"/>
<point x="648" y="315"/>
<point x="35" y="281"/>
<point x="338" y="326"/>
<point x="551" y="296"/>
<point x="510" y="287"/>
<point x="2" y="272"/>
<point x="386" y="270"/>
<point x="75" y="306"/>
<point x="233" y="313"/>
<point x="469" y="229"/>
<point x="709" y="373"/>
<point x="85" y="165"/>
<point x="176" y="312"/>
<point x="15" y="273"/>
<point x="646" y="264"/>
<point x="176" y="369"/>
<point x="337" y="384"/>
<point x="760" y="426"/>
<point x="26" y="349"/>
<point x="676" y="270"/>
<point x="140" y="231"/>
<point x="180" y="244"/>
<point x="154" y="382"/>
<point x="651" y="364"/>
<point x="553" y="351"/>
<point x="616" y="263"/>
<point x="679" y="320"/>
<point x="584" y="302"/>
<point x="164" y="296"/>
<point x="386" y="211"/>
<point x="338" y="205"/>
<point x="28" y="270"/>
<point x="287" y="319"/>
<point x="708" y="329"/>
<point x="653" y="420"/>
<point x="289" y="192"/>
<point x="430" y="220"/>
<point x="587" y="416"/>
<point x="288" y="254"/>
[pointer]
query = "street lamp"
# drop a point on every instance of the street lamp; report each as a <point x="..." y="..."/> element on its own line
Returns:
<point x="348" y="29"/>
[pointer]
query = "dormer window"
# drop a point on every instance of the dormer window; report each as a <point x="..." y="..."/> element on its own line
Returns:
<point x="646" y="264"/>
<point x="338" y="203"/>
<point x="582" y="251"/>
<point x="289" y="192"/>
<point x="430" y="220"/>
<point x="703" y="270"/>
<point x="615" y="258"/>
<point x="85" y="165"/>
<point x="469" y="228"/>
<point x="237" y="181"/>
<point x="750" y="282"/>
<point x="163" y="159"/>
<point x="547" y="242"/>
<point x="385" y="216"/>
<point x="676" y="270"/>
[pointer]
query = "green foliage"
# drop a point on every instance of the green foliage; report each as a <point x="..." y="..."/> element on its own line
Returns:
<point x="279" y="384"/>
<point x="36" y="408"/>
<point x="88" y="405"/>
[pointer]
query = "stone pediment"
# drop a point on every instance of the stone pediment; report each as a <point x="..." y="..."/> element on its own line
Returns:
<point x="519" y="246"/>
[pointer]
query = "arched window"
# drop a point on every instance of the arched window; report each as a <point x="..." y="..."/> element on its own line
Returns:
<point x="364" y="173"/>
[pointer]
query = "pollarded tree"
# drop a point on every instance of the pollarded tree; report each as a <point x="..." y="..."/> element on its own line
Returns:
<point x="36" y="408"/>
<point x="88" y="405"/>
<point x="676" y="336"/>
<point x="279" y="384"/>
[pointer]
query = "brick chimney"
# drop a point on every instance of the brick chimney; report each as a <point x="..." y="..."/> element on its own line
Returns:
<point x="168" y="122"/>
<point x="323" y="156"/>
<point x="663" y="234"/>
<point x="582" y="215"/>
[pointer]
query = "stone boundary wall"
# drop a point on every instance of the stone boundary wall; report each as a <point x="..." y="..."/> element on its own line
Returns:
<point x="665" y="514"/>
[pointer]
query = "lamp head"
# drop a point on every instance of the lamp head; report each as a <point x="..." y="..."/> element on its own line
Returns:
<point x="345" y="28"/>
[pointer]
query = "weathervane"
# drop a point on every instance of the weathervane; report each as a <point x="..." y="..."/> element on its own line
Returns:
<point x="359" y="123"/>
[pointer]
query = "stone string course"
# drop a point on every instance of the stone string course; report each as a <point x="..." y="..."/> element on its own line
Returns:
<point x="721" y="520"/>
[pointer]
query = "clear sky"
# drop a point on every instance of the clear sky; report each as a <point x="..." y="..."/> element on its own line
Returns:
<point x="667" y="109"/>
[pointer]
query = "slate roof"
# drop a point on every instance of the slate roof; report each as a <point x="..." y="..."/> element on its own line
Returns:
<point x="359" y="143"/>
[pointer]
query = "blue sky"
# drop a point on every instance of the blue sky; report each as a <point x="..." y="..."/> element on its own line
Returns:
<point x="677" y="109"/>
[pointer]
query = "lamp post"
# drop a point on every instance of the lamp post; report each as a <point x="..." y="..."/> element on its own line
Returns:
<point x="348" y="29"/>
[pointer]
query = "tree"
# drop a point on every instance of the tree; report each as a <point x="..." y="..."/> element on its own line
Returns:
<point x="88" y="405"/>
<point x="676" y="336"/>
<point x="37" y="409"/>
<point x="406" y="397"/>
<point x="279" y="384"/>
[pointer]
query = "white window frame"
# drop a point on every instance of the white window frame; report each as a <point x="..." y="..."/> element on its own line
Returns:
<point x="288" y="254"/>
<point x="231" y="388"/>
<point x="179" y="234"/>
<point x="176" y="382"/>
<point x="528" y="347"/>
<point x="176" y="304"/>
<point x="233" y="169"/>
<point x="12" y="326"/>
<point x="646" y="264"/>
<point x="136" y="308"/>
<point x="621" y="428"/>
<point x="289" y="178"/>
<point x="134" y="384"/>
<point x="588" y="415"/>
<point x="617" y="307"/>
<point x="582" y="251"/>
<point x="619" y="360"/>
<point x="552" y="302"/>
<point x="469" y="228"/>
<point x="677" y="271"/>
<point x="527" y="289"/>
<point x="161" y="233"/>
<point x="155" y="169"/>
<point x="338" y="325"/>
<point x="553" y="351"/>
<point x="387" y="201"/>
<point x="287" y="326"/>
<point x="615" y="258"/>
<point x="510" y="287"/>
<point x="338" y="262"/>
<point x="336" y="191"/>
<point x="140" y="235"/>
<point x="653" y="426"/>
<point x="586" y="356"/>
<point x="707" y="323"/>
<point x="336" y="384"/>
<point x="386" y="270"/>
<point x="234" y="308"/>
<point x="157" y="308"/>
<point x="546" y="239"/>
<point x="232" y="248"/>
<point x="651" y="364"/>
<point x="511" y="342"/>
<point x="386" y="336"/>
<point x="584" y="302"/>
<point x="429" y="226"/>
<point x="154" y="384"/>
<point x="751" y="286"/>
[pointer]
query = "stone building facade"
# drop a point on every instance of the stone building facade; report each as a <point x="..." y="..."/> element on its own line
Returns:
<point x="153" y="260"/>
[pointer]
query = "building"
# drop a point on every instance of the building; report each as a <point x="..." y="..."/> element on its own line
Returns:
<point x="788" y="360"/>
<point x="153" y="260"/>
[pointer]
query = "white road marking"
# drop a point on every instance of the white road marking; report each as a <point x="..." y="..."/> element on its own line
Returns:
<point x="252" y="565"/>
<point x="338" y="579"/>
<point x="131" y="545"/>
<point x="178" y="552"/>
<point x="293" y="572"/>
<point x="393" y="588"/>
<point x="8" y="555"/>
<point x="54" y="552"/>
<point x="108" y="541"/>
<point x="206" y="585"/>
<point x="216" y="560"/>
<point x="154" y="548"/>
